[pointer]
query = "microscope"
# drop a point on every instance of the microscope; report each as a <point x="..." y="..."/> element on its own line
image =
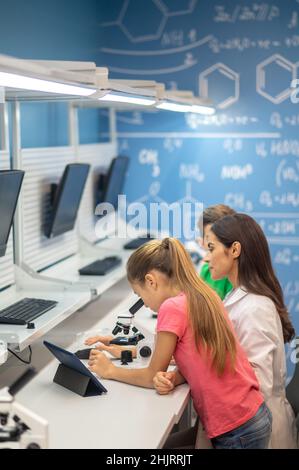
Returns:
<point x="20" y="428"/>
<point x="124" y="323"/>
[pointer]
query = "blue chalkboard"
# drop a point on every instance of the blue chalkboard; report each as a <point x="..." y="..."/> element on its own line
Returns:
<point x="243" y="55"/>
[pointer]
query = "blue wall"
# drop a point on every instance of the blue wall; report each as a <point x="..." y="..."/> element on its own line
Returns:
<point x="56" y="30"/>
<point x="242" y="54"/>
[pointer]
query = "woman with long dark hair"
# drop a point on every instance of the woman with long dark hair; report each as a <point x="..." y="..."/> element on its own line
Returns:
<point x="238" y="249"/>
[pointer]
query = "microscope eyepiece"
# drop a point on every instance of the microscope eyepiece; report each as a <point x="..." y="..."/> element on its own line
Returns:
<point x="136" y="306"/>
<point x="116" y="330"/>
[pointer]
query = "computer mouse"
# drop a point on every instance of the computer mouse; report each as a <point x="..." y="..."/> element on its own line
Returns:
<point x="83" y="353"/>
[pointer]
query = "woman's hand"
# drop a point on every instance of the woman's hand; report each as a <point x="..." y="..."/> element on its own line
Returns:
<point x="164" y="382"/>
<point x="99" y="339"/>
<point x="115" y="350"/>
<point x="100" y="364"/>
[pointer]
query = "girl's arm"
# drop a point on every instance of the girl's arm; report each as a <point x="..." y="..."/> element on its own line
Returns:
<point x="165" y="382"/>
<point x="179" y="378"/>
<point x="165" y="346"/>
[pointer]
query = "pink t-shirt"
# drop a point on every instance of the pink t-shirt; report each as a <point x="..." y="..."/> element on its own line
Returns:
<point x="222" y="402"/>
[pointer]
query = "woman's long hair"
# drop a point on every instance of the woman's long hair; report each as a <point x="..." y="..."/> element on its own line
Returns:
<point x="210" y="327"/>
<point x="255" y="268"/>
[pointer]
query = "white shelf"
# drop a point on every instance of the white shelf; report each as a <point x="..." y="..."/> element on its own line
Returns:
<point x="61" y="283"/>
<point x="116" y="244"/>
<point x="3" y="352"/>
<point x="68" y="270"/>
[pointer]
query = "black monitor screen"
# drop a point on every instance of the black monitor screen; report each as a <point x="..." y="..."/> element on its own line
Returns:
<point x="115" y="180"/>
<point x="67" y="199"/>
<point x="10" y="186"/>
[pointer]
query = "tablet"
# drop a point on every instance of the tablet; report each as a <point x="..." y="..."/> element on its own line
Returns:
<point x="69" y="359"/>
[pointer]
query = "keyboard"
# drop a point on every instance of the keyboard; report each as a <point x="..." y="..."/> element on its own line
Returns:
<point x="26" y="310"/>
<point x="101" y="267"/>
<point x="137" y="242"/>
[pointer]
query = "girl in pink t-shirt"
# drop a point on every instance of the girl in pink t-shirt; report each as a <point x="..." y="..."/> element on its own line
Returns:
<point x="194" y="327"/>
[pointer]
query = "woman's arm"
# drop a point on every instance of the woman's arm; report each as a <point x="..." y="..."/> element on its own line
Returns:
<point x="165" y="346"/>
<point x="259" y="337"/>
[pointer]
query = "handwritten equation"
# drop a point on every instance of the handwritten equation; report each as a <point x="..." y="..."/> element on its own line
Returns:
<point x="236" y="172"/>
<point x="268" y="199"/>
<point x="286" y="257"/>
<point x="280" y="148"/>
<point x="195" y="121"/>
<point x="287" y="229"/>
<point x="240" y="13"/>
<point x="238" y="201"/>
<point x="241" y="44"/>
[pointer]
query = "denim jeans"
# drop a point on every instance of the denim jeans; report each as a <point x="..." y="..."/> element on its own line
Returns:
<point x="254" y="434"/>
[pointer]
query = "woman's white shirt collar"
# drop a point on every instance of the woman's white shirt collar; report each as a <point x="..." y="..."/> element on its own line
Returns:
<point x="234" y="296"/>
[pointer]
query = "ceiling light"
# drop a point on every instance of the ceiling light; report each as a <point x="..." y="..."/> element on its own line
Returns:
<point x="130" y="99"/>
<point x="12" y="80"/>
<point x="199" y="109"/>
<point x="177" y="107"/>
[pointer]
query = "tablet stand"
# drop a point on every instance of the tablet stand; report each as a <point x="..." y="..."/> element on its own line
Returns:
<point x="76" y="382"/>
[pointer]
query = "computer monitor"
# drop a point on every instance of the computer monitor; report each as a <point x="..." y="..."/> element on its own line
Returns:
<point x="114" y="181"/>
<point x="67" y="199"/>
<point x="10" y="187"/>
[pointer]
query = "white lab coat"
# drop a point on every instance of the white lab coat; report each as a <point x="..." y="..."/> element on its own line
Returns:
<point x="258" y="328"/>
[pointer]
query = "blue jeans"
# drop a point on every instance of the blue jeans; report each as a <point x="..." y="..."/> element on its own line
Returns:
<point x="254" y="434"/>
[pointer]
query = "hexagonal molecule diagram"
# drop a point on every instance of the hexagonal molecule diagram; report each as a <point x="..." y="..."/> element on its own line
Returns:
<point x="109" y="15"/>
<point x="273" y="78"/>
<point x="142" y="20"/>
<point x="221" y="84"/>
<point x="177" y="7"/>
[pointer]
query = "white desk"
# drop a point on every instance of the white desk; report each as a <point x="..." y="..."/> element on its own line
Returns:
<point x="115" y="244"/>
<point x="126" y="417"/>
<point x="62" y="283"/>
<point x="69" y="301"/>
<point x="68" y="270"/>
<point x="3" y="352"/>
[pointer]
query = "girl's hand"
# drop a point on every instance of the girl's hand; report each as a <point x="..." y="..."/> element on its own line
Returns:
<point x="99" y="339"/>
<point x="115" y="350"/>
<point x="164" y="382"/>
<point x="100" y="364"/>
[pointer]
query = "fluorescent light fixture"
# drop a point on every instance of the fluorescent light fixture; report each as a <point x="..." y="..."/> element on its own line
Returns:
<point x="23" y="82"/>
<point x="199" y="109"/>
<point x="177" y="107"/>
<point x="183" y="101"/>
<point x="130" y="99"/>
<point x="185" y="107"/>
